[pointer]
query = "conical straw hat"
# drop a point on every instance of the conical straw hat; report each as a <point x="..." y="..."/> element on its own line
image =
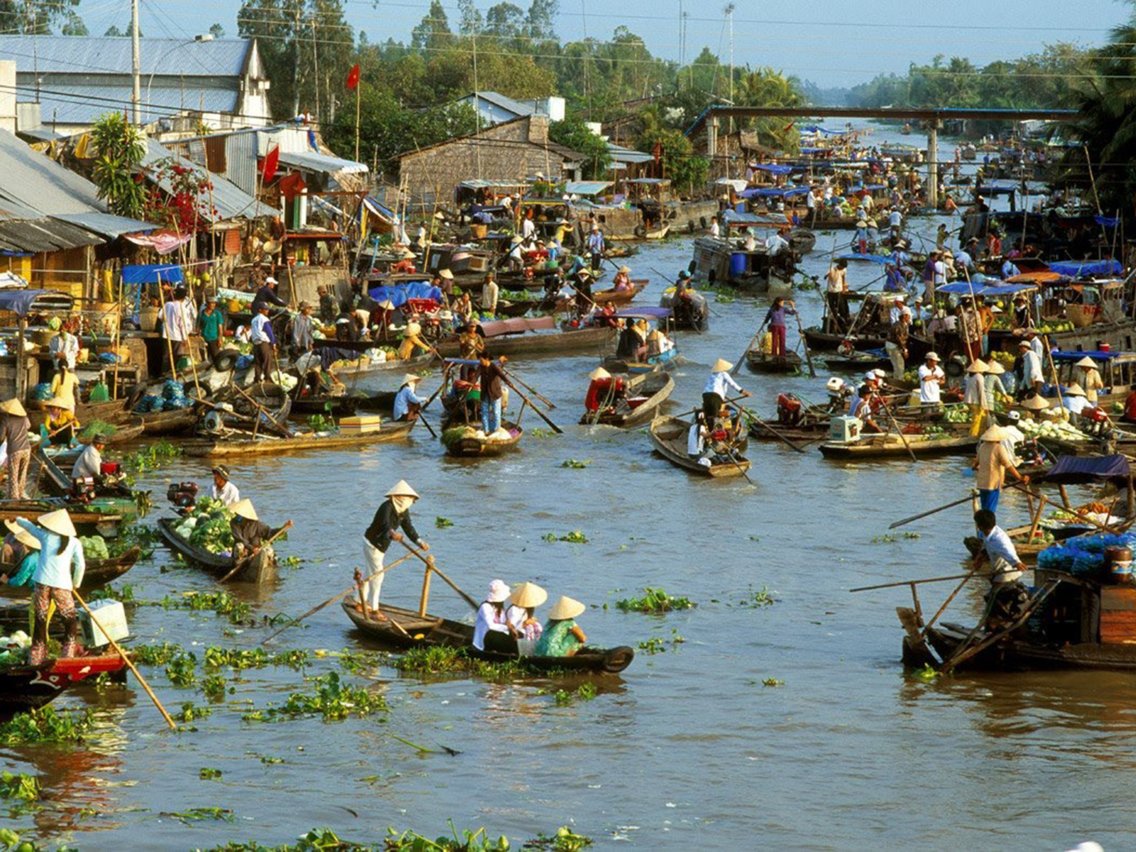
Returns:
<point x="528" y="594"/>
<point x="565" y="608"/>
<point x="22" y="535"/>
<point x="599" y="373"/>
<point x="13" y="406"/>
<point x="1035" y="403"/>
<point x="244" y="509"/>
<point x="994" y="433"/>
<point x="59" y="402"/>
<point x="402" y="489"/>
<point x="58" y="522"/>
<point x="721" y="366"/>
<point x="1074" y="390"/>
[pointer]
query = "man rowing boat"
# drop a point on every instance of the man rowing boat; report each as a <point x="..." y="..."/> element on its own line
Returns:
<point x="392" y="514"/>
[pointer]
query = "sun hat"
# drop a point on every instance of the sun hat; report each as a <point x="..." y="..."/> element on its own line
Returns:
<point x="625" y="269"/>
<point x="1074" y="390"/>
<point x="565" y="608"/>
<point x="528" y="594"/>
<point x="599" y="373"/>
<point x="993" y="434"/>
<point x="270" y="280"/>
<point x="861" y="224"/>
<point x="244" y="509"/>
<point x="59" y="402"/>
<point x="58" y="522"/>
<point x="995" y="369"/>
<point x="1035" y="403"/>
<point x="413" y="328"/>
<point x="445" y="273"/>
<point x="994" y="309"/>
<point x="14" y="407"/>
<point x="222" y="472"/>
<point x="932" y="356"/>
<point x="1086" y="362"/>
<point x="721" y="366"/>
<point x="978" y="366"/>
<point x="879" y="374"/>
<point x="498" y="592"/>
<point x="411" y="379"/>
<point x="871" y="376"/>
<point x="22" y="535"/>
<point x="1015" y="416"/>
<point x="386" y="305"/>
<point x="402" y="489"/>
<point x="1023" y="344"/>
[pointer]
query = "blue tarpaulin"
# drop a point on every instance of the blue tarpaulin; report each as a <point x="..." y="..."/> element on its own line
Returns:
<point x="1086" y="268"/>
<point x="773" y="191"/>
<point x="1107" y="221"/>
<point x="20" y="302"/>
<point x="644" y="313"/>
<point x="399" y="293"/>
<point x="870" y="258"/>
<point x="1063" y="356"/>
<point x="772" y="168"/>
<point x="962" y="288"/>
<point x="1076" y="470"/>
<point x="152" y="273"/>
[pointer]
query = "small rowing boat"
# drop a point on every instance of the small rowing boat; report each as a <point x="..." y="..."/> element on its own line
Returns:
<point x="268" y="445"/>
<point x="468" y="441"/>
<point x="404" y="628"/>
<point x="891" y="445"/>
<point x="669" y="436"/>
<point x="259" y="568"/>
<point x="763" y="362"/>
<point x="99" y="572"/>
<point x="25" y="687"/>
<point x="637" y="405"/>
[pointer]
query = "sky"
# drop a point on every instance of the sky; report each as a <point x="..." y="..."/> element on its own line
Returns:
<point x="831" y="42"/>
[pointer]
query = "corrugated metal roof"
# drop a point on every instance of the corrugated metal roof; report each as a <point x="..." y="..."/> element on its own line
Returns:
<point x="43" y="235"/>
<point x="84" y="103"/>
<point x="36" y="181"/>
<point x="323" y="163"/>
<point x="223" y="57"/>
<point x="505" y="103"/>
<point x="627" y="155"/>
<point x="231" y="201"/>
<point x="586" y="187"/>
<point x="106" y="224"/>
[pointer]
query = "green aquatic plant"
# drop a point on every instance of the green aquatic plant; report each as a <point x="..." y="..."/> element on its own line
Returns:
<point x="214" y="687"/>
<point x="222" y="603"/>
<point x="575" y="464"/>
<point x="46" y="725"/>
<point x="441" y="523"/>
<point x="181" y="670"/>
<point x="331" y="699"/>
<point x="654" y="602"/>
<point x="772" y="681"/>
<point x="208" y="773"/>
<point x="574" y="537"/>
<point x="155" y="655"/>
<point x="199" y="814"/>
<point x="759" y="598"/>
<point x="190" y="712"/>
<point x="19" y="786"/>
<point x="436" y="660"/>
<point x="564" y="840"/>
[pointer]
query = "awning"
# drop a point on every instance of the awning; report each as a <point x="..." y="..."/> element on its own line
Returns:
<point x="399" y="294"/>
<point x="737" y="185"/>
<point x="492" y="184"/>
<point x="1077" y="470"/>
<point x="627" y="155"/>
<point x="310" y="161"/>
<point x="1086" y="268"/>
<point x="152" y="273"/>
<point x="644" y="313"/>
<point x="586" y="187"/>
<point x="163" y="242"/>
<point x="374" y="208"/>
<point x="1072" y="357"/>
<point x="772" y="168"/>
<point x="107" y="224"/>
<point x="33" y="236"/>
<point x="962" y="288"/>
<point x="881" y="259"/>
<point x="22" y="302"/>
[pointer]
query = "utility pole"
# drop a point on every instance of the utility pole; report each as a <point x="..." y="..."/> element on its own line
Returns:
<point x="136" y="64"/>
<point x="730" y="16"/>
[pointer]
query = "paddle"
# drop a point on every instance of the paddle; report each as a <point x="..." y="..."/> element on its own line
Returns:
<point x="333" y="599"/>
<point x="432" y="565"/>
<point x="898" y="429"/>
<point x="900" y="523"/>
<point x="241" y="563"/>
<point x="738" y="362"/>
<point x="909" y="582"/>
<point x="129" y="664"/>
<point x="283" y="430"/>
<point x="805" y="343"/>
<point x="422" y="416"/>
<point x="754" y="419"/>
<point x="730" y="455"/>
<point x="539" y="413"/>
<point x="533" y="391"/>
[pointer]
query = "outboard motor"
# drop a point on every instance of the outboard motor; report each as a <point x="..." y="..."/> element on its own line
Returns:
<point x="82" y="489"/>
<point x="788" y="409"/>
<point x="183" y="496"/>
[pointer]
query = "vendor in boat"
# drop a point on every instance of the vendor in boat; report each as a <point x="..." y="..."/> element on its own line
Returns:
<point x="582" y="285"/>
<point x="1020" y="316"/>
<point x="995" y="390"/>
<point x="1008" y="597"/>
<point x="59" y="569"/>
<point x="562" y="637"/>
<point x="866" y="401"/>
<point x="249" y="533"/>
<point x="1091" y="380"/>
<point x="991" y="462"/>
<point x="492" y="630"/>
<point x="492" y="378"/>
<point x="59" y="426"/>
<point x="974" y="393"/>
<point x="696" y="437"/>
<point x="392" y="515"/>
<point x="408" y="404"/>
<point x="267" y="296"/>
<point x="65" y="385"/>
<point x="622" y="281"/>
<point x="328" y="309"/>
<point x="896" y="345"/>
<point x="463" y="309"/>
<point x="604" y="391"/>
<point x="15" y="427"/>
<point x="521" y="612"/>
<point x="64" y="347"/>
<point x="1074" y="401"/>
<point x="717" y="386"/>
<point x="211" y="326"/>
<point x="1032" y="377"/>
<point x="89" y="465"/>
<point x="775" y="317"/>
<point x="931" y="380"/>
<point x="658" y="343"/>
<point x="412" y="341"/>
<point x="836" y="295"/>
<point x="19" y="556"/>
<point x="302" y="330"/>
<point x="223" y="487"/>
<point x="490" y="292"/>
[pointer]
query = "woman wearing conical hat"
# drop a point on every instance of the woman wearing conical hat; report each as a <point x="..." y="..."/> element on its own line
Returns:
<point x="392" y="516"/>
<point x="522" y="608"/>
<point x="15" y="428"/>
<point x="60" y="570"/>
<point x="60" y="424"/>
<point x="249" y="532"/>
<point x="717" y="386"/>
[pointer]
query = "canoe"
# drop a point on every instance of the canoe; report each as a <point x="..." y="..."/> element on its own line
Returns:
<point x="610" y="296"/>
<point x="113" y="411"/>
<point x="24" y="687"/>
<point x="892" y="446"/>
<point x="261" y="568"/>
<point x="596" y="338"/>
<point x="431" y="630"/>
<point x="85" y="521"/>
<point x="762" y="362"/>
<point x="645" y="393"/>
<point x="355" y="368"/>
<point x="669" y="435"/>
<point x="272" y="445"/>
<point x="176" y="422"/>
<point x="469" y="446"/>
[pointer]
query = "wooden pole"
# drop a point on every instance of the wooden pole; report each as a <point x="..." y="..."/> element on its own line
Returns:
<point x="358" y="94"/>
<point x="240" y="563"/>
<point x="432" y="566"/>
<point x="129" y="663"/>
<point x="908" y="583"/>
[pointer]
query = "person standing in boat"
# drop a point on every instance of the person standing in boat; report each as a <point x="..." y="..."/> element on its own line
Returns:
<point x="408" y="404"/>
<point x="717" y="386"/>
<point x="490" y="292"/>
<point x="19" y="448"/>
<point x="896" y="345"/>
<point x="491" y="375"/>
<point x="775" y="317"/>
<point x="595" y="246"/>
<point x="267" y="295"/>
<point x="1032" y="377"/>
<point x="1090" y="378"/>
<point x="263" y="340"/>
<point x="392" y="515"/>
<point x="64" y="347"/>
<point x="211" y="326"/>
<point x="302" y="330"/>
<point x="223" y="487"/>
<point x="59" y="570"/>
<point x="1007" y="598"/>
<point x="837" y="296"/>
<point x="991" y="462"/>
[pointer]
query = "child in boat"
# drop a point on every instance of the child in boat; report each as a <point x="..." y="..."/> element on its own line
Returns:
<point x="522" y="607"/>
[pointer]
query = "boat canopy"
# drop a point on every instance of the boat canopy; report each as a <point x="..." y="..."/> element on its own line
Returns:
<point x="1071" y="357"/>
<point x="1086" y="268"/>
<point x="647" y="313"/>
<point x="773" y="191"/>
<point x="772" y="168"/>
<point x="586" y="187"/>
<point x="962" y="288"/>
<point x="401" y="293"/>
<point x="22" y="302"/>
<point x="152" y="273"/>
<point x="1077" y="470"/>
<point x="516" y="325"/>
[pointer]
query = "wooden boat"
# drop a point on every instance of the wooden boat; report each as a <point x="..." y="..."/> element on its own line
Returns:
<point x="366" y="366"/>
<point x="610" y="296"/>
<point x="425" y="630"/>
<point x="113" y="412"/>
<point x="762" y="362"/>
<point x="857" y="362"/>
<point x="99" y="572"/>
<point x="891" y="445"/>
<point x="469" y="445"/>
<point x="341" y="405"/>
<point x="669" y="434"/>
<point x="260" y="568"/>
<point x="644" y="394"/>
<point x="123" y="434"/>
<point x="265" y="444"/>
<point x="176" y="422"/>
<point x="535" y="336"/>
<point x="654" y="363"/>
<point x="85" y="521"/>
<point x="640" y="233"/>
<point x="25" y="687"/>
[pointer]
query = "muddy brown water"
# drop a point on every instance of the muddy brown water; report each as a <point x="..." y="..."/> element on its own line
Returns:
<point x="688" y="748"/>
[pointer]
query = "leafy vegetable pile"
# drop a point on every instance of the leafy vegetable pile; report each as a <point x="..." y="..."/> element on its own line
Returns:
<point x="94" y="547"/>
<point x="208" y="526"/>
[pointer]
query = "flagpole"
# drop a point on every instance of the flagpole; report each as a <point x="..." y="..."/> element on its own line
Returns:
<point x="358" y="89"/>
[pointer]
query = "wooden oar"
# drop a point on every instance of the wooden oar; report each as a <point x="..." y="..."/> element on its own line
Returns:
<point x="738" y="363"/>
<point x="730" y="455"/>
<point x="909" y="582"/>
<point x="422" y="416"/>
<point x="900" y="523"/>
<point x="539" y="413"/>
<point x="129" y="663"/>
<point x="805" y="343"/>
<point x="432" y="565"/>
<point x="533" y="391"/>
<point x="241" y="563"/>
<point x="754" y="419"/>
<point x="333" y="599"/>
<point x="282" y="429"/>
<point x="898" y="429"/>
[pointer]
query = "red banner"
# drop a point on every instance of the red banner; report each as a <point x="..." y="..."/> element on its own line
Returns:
<point x="353" y="77"/>
<point x="271" y="161"/>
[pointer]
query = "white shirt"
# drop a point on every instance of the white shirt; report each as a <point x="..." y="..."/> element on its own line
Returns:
<point x="1037" y="346"/>
<point x="1077" y="404"/>
<point x="694" y="440"/>
<point x="719" y="383"/>
<point x="177" y="320"/>
<point x="67" y="345"/>
<point x="940" y="273"/>
<point x="227" y="494"/>
<point x="89" y="463"/>
<point x="489" y="291"/>
<point x="488" y="618"/>
<point x="714" y="229"/>
<point x="775" y="244"/>
<point x="258" y="334"/>
<point x="528" y="229"/>
<point x="1031" y="367"/>
<point x="895" y="219"/>
<point x="929" y="391"/>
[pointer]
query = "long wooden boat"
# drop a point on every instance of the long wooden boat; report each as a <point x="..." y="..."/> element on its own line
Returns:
<point x="669" y="434"/>
<point x="533" y="342"/>
<point x="85" y="521"/>
<point x="663" y="361"/>
<point x="641" y="234"/>
<point x="177" y="422"/>
<point x="99" y="572"/>
<point x="469" y="445"/>
<point x="264" y="445"/>
<point x="25" y="687"/>
<point x="113" y="412"/>
<point x="763" y="362"/>
<point x="260" y="568"/>
<point x="342" y="405"/>
<point x="417" y="630"/>
<point x="610" y="296"/>
<point x="645" y="393"/>
<point x="392" y="365"/>
<point x="891" y="445"/>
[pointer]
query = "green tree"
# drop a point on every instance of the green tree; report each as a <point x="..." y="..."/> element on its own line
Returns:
<point x="38" y="17"/>
<point x="576" y="135"/>
<point x="471" y="21"/>
<point x="433" y="31"/>
<point x="505" y="21"/>
<point x="540" y="22"/>
<point x="119" y="149"/>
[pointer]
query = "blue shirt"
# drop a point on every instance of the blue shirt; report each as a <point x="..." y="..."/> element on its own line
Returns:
<point x="261" y="331"/>
<point x="403" y="399"/>
<point x="59" y="570"/>
<point x="1003" y="557"/>
<point x="776" y="316"/>
<point x="719" y="383"/>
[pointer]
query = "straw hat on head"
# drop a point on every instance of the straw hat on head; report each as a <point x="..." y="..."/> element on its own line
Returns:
<point x="721" y="366"/>
<point x="1023" y="344"/>
<point x="498" y="592"/>
<point x="1087" y="363"/>
<point x="1074" y="390"/>
<point x="244" y="509"/>
<point x="445" y="273"/>
<point x="413" y="328"/>
<point x="402" y="489"/>
<point x="932" y="356"/>
<point x="599" y="373"/>
<point x="13" y="407"/>
<point x="994" y="434"/>
<point x="565" y="608"/>
<point x="994" y="368"/>
<point x="528" y="595"/>
<point x="626" y="270"/>
<point x="59" y="402"/>
<point x="411" y="379"/>
<point x="1035" y="403"/>
<point x="58" y="522"/>
<point x="222" y="472"/>
<point x="22" y="535"/>
<point x="861" y="224"/>
<point x="978" y="366"/>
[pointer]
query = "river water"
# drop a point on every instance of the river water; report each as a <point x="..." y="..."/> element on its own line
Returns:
<point x="689" y="748"/>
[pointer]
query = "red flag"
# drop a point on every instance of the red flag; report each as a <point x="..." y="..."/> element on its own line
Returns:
<point x="353" y="77"/>
<point x="788" y="127"/>
<point x="271" y="161"/>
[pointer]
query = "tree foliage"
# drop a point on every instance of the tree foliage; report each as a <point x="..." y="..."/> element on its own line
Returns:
<point x="40" y="17"/>
<point x="119" y="149"/>
<point x="576" y="135"/>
